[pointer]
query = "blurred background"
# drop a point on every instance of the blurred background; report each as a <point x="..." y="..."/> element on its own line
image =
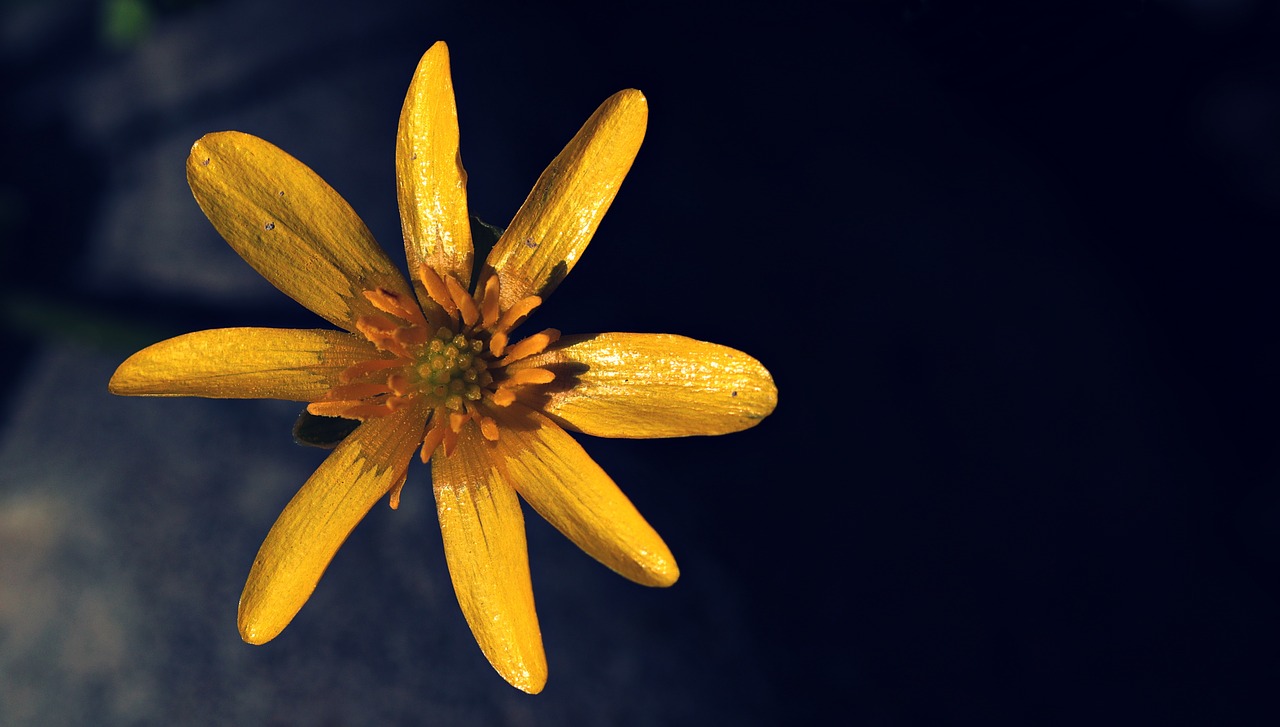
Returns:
<point x="1013" y="271"/>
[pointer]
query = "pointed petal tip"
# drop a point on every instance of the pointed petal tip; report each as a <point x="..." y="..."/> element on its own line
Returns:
<point x="769" y="397"/>
<point x="250" y="621"/>
<point x="658" y="571"/>
<point x="668" y="576"/>
<point x="253" y="629"/>
<point x="634" y="105"/>
<point x="633" y="95"/>
<point x="116" y="384"/>
<point x="256" y="622"/>
<point x="529" y="678"/>
<point x="198" y="158"/>
<point x="130" y="377"/>
<point x="252" y="638"/>
<point x="198" y="146"/>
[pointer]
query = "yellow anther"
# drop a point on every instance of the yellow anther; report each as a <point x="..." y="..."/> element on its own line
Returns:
<point x="462" y="299"/>
<point x="456" y="420"/>
<point x="489" y="302"/>
<point x="436" y="288"/>
<point x="517" y="313"/>
<point x="528" y="376"/>
<point x="450" y="440"/>
<point x="411" y="335"/>
<point x="498" y="343"/>
<point x="399" y="384"/>
<point x="435" y="435"/>
<point x="531" y="345"/>
<point x="395" y="491"/>
<point x="389" y="302"/>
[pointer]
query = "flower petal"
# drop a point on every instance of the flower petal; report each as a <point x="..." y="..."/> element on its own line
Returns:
<point x="290" y="225"/>
<point x="561" y="481"/>
<point x="484" y="544"/>
<point x="363" y="468"/>
<point x="243" y="363"/>
<point x="557" y="220"/>
<point x="430" y="180"/>
<point x="650" y="385"/>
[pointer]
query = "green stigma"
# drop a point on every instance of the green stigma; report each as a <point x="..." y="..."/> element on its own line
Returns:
<point x="451" y="370"/>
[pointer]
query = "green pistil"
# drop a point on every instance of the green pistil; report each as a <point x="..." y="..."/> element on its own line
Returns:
<point x="452" y="369"/>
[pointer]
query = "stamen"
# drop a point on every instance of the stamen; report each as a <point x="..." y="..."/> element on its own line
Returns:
<point x="456" y="420"/>
<point x="374" y="324"/>
<point x="450" y="440"/>
<point x="389" y="302"/>
<point x="375" y="328"/>
<point x="498" y="343"/>
<point x="436" y="289"/>
<point x="503" y="397"/>
<point x="435" y="435"/>
<point x="395" y="491"/>
<point x="347" y="409"/>
<point x="489" y="303"/>
<point x="461" y="298"/>
<point x="412" y="335"/>
<point x="527" y="376"/>
<point x="381" y="332"/>
<point x="399" y="384"/>
<point x="489" y="428"/>
<point x="531" y="345"/>
<point x="517" y="313"/>
<point x="328" y="408"/>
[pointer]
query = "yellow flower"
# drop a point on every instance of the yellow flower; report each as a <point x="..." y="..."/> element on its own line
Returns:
<point x="433" y="368"/>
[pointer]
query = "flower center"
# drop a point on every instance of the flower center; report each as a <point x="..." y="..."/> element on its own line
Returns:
<point x="454" y="374"/>
<point x="452" y="369"/>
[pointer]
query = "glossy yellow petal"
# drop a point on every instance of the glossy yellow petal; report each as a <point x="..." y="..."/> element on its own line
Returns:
<point x="430" y="180"/>
<point x="242" y="363"/>
<point x="557" y="220"/>
<point x="650" y="385"/>
<point x="484" y="544"/>
<point x="363" y="468"/>
<point x="561" y="481"/>
<point x="290" y="225"/>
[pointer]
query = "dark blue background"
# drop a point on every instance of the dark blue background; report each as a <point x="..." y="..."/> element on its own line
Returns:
<point x="1012" y="269"/>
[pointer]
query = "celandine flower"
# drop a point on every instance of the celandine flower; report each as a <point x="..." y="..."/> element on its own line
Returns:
<point x="433" y="368"/>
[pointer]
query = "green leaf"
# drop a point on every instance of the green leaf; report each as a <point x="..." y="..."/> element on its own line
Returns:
<point x="483" y="237"/>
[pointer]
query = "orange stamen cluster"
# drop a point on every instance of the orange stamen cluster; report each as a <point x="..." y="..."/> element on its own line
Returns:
<point x="450" y="360"/>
